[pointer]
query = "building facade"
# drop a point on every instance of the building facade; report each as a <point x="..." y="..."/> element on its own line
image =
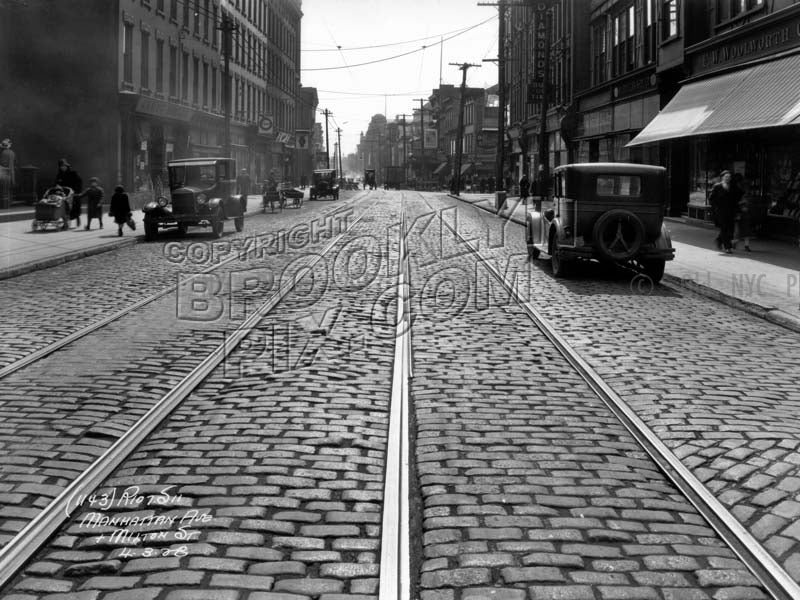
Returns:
<point x="149" y="86"/>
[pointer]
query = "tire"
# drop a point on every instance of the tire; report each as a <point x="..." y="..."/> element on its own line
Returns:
<point x="238" y="223"/>
<point x="182" y="229"/>
<point x="533" y="251"/>
<point x="654" y="268"/>
<point x="150" y="229"/>
<point x="218" y="224"/>
<point x="618" y="234"/>
<point x="559" y="265"/>
<point x="35" y="225"/>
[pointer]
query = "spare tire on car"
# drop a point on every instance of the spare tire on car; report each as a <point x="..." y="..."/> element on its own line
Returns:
<point x="618" y="234"/>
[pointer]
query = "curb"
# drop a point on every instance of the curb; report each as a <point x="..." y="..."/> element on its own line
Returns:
<point x="78" y="254"/>
<point x="773" y="315"/>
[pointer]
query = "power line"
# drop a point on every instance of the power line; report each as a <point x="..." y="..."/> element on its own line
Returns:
<point x="340" y="49"/>
<point x="410" y="52"/>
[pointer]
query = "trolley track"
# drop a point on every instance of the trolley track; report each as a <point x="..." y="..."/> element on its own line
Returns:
<point x="758" y="560"/>
<point x="235" y="257"/>
<point x="14" y="554"/>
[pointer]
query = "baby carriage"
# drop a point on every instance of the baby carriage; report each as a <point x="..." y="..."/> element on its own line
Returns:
<point x="53" y="209"/>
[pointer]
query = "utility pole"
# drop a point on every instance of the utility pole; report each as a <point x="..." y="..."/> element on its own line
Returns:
<point x="405" y="152"/>
<point x="227" y="27"/>
<point x="339" y="146"/>
<point x="460" y="136"/>
<point x="327" y="114"/>
<point x="421" y="137"/>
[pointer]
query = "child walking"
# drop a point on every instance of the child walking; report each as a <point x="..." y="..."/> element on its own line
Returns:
<point x="95" y="195"/>
<point x="120" y="208"/>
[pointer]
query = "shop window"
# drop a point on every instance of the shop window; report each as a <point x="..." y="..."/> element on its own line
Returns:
<point x="185" y="77"/>
<point x="649" y="32"/>
<point x="669" y="19"/>
<point x="196" y="80"/>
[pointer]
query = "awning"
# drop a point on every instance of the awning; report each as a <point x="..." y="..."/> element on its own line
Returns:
<point x="439" y="168"/>
<point x="764" y="95"/>
<point x="466" y="167"/>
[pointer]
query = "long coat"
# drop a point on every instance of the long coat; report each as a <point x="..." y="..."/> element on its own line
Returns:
<point x="725" y="203"/>
<point x="120" y="207"/>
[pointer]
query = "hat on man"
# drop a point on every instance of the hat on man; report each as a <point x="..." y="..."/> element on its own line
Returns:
<point x="62" y="162"/>
<point x="6" y="143"/>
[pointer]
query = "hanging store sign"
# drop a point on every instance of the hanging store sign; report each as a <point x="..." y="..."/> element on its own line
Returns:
<point x="303" y="138"/>
<point x="265" y="124"/>
<point x="431" y="139"/>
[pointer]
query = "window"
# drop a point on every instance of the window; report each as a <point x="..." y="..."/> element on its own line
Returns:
<point x="731" y="9"/>
<point x="214" y="99"/>
<point x="145" y="59"/>
<point x="173" y="10"/>
<point x="173" y="72"/>
<point x="160" y="66"/>
<point x="205" y="84"/>
<point x="196" y="16"/>
<point x="618" y="185"/>
<point x="160" y="7"/>
<point x="670" y="19"/>
<point x="196" y="81"/>
<point x="127" y="53"/>
<point x="185" y="77"/>
<point x="186" y="12"/>
<point x="206" y="13"/>
<point x="599" y="52"/>
<point x="649" y="33"/>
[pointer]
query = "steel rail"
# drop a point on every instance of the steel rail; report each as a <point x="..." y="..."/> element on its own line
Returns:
<point x="76" y="335"/>
<point x="22" y="546"/>
<point x="755" y="557"/>
<point x="395" y="566"/>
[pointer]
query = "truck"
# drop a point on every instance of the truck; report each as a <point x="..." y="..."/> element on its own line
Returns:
<point x="394" y="177"/>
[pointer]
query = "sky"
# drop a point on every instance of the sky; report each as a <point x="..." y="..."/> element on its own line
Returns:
<point x="334" y="34"/>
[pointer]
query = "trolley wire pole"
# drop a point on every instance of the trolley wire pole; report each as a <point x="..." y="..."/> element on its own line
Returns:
<point x="460" y="135"/>
<point x="327" y="114"/>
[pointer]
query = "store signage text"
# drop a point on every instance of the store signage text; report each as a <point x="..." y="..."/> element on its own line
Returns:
<point x="537" y="84"/>
<point x="783" y="38"/>
<point x="150" y="106"/>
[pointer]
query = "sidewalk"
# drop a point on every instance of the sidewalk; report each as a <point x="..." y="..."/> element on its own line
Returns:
<point x="764" y="282"/>
<point x="23" y="250"/>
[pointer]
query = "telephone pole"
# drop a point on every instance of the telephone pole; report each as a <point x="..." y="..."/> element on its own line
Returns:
<point x="339" y="146"/>
<point x="421" y="137"/>
<point x="227" y="27"/>
<point x="327" y="114"/>
<point x="460" y="135"/>
<point x="405" y="152"/>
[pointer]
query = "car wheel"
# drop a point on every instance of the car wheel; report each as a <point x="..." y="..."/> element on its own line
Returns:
<point x="238" y="223"/>
<point x="557" y="261"/>
<point x="150" y="229"/>
<point x="35" y="225"/>
<point x="218" y="225"/>
<point x="654" y="268"/>
<point x="182" y="229"/>
<point x="618" y="234"/>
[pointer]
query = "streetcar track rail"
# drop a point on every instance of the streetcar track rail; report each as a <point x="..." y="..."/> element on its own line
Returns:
<point x="23" y="545"/>
<point x="749" y="550"/>
<point x="395" y="563"/>
<point x="83" y="332"/>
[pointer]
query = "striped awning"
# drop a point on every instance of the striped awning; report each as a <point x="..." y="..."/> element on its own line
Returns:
<point x="763" y="95"/>
<point x="439" y="168"/>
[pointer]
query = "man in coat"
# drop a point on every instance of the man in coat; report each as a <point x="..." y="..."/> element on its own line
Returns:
<point x="8" y="168"/>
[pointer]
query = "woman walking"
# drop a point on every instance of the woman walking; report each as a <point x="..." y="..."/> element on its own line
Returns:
<point x="120" y="208"/>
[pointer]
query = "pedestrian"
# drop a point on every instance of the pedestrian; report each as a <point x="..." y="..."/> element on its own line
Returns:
<point x="120" y="209"/>
<point x="67" y="177"/>
<point x="490" y="184"/>
<point x="243" y="183"/>
<point x="524" y="188"/>
<point x="724" y="201"/>
<point x="8" y="173"/>
<point x="743" y="217"/>
<point x="482" y="184"/>
<point x="508" y="183"/>
<point x="94" y="195"/>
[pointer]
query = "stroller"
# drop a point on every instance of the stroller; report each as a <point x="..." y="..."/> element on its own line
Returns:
<point x="53" y="209"/>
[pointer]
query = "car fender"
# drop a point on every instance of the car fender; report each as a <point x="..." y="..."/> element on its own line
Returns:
<point x="533" y="230"/>
<point x="214" y="204"/>
<point x="663" y="241"/>
<point x="555" y="230"/>
<point x="234" y="205"/>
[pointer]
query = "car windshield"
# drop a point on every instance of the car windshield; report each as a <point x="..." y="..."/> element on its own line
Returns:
<point x="201" y="176"/>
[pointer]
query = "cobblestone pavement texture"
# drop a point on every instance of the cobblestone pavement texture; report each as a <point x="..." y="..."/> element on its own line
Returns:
<point x="45" y="306"/>
<point x="530" y="486"/>
<point x="716" y="384"/>
<point x="266" y="483"/>
<point x="59" y="414"/>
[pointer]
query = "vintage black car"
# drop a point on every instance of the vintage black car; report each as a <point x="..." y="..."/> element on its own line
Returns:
<point x="201" y="192"/>
<point x="324" y="182"/>
<point x="611" y="212"/>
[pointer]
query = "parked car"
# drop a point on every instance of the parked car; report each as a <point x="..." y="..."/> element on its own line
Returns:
<point x="201" y="192"/>
<point x="611" y="212"/>
<point x="324" y="182"/>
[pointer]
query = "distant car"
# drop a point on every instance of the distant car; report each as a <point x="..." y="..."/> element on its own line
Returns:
<point x="324" y="182"/>
<point x="201" y="192"/>
<point x="611" y="212"/>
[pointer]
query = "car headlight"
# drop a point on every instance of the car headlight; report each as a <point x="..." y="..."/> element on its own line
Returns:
<point x="202" y="198"/>
<point x="162" y="201"/>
